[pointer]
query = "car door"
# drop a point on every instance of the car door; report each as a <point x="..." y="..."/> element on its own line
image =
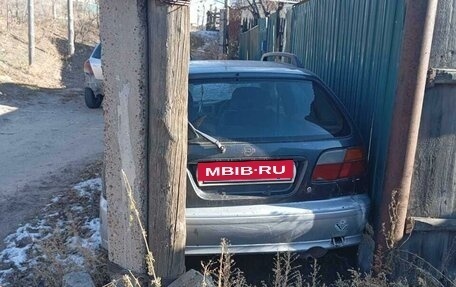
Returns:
<point x="95" y="62"/>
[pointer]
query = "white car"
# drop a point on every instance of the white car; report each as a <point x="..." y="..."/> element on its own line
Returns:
<point x="93" y="92"/>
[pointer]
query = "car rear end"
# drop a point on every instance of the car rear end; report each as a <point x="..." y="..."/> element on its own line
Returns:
<point x="93" y="75"/>
<point x="291" y="173"/>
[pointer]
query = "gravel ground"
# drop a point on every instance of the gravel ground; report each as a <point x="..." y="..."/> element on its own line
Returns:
<point x="63" y="238"/>
<point x="47" y="137"/>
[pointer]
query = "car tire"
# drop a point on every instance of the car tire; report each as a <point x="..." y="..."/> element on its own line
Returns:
<point x="92" y="101"/>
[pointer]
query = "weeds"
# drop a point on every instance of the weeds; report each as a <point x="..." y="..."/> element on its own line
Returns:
<point x="128" y="279"/>
<point x="286" y="271"/>
<point x="226" y="264"/>
<point x="390" y="261"/>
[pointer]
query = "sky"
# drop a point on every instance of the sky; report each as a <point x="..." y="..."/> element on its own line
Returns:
<point x="198" y="9"/>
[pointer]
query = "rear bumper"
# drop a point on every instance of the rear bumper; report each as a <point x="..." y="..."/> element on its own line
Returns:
<point x="94" y="84"/>
<point x="297" y="226"/>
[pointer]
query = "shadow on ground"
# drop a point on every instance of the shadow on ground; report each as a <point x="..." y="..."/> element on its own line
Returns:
<point x="72" y="72"/>
<point x="72" y="77"/>
<point x="22" y="95"/>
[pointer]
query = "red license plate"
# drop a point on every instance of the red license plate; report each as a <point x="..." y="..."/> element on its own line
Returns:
<point x="246" y="171"/>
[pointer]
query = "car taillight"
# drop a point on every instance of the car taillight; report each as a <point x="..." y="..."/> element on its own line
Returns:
<point x="340" y="164"/>
<point x="88" y="68"/>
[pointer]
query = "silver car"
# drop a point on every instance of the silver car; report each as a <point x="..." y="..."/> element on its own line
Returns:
<point x="93" y="76"/>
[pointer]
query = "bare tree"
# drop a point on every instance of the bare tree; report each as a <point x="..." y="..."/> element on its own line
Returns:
<point x="17" y="10"/>
<point x="31" y="31"/>
<point x="234" y="29"/>
<point x="54" y="10"/>
<point x="70" y="28"/>
<point x="260" y="8"/>
<point x="8" y="18"/>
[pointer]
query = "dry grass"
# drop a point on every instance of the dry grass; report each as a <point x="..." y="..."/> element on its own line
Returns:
<point x="60" y="249"/>
<point x="398" y="268"/>
<point x="60" y="260"/>
<point x="51" y="65"/>
<point x="155" y="281"/>
<point x="286" y="271"/>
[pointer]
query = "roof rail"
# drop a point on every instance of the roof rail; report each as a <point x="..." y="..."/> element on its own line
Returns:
<point x="294" y="60"/>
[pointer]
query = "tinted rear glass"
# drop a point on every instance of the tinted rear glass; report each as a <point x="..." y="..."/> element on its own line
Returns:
<point x="258" y="109"/>
<point x="97" y="52"/>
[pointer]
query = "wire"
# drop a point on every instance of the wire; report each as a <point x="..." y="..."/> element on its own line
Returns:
<point x="176" y="2"/>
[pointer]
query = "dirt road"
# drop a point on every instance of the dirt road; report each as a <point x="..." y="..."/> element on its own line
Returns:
<point x="46" y="138"/>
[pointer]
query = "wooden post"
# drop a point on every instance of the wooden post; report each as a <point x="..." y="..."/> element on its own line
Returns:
<point x="169" y="52"/>
<point x="70" y="29"/>
<point x="31" y="31"/>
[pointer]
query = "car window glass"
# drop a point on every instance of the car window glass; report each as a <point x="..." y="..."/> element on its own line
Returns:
<point x="258" y="109"/>
<point x="97" y="52"/>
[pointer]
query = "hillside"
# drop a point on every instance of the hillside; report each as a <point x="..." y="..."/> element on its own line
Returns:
<point x="52" y="68"/>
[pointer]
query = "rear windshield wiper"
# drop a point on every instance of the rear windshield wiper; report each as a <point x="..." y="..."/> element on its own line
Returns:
<point x="213" y="140"/>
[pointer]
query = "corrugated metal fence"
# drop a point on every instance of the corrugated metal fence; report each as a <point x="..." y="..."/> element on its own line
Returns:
<point x="354" y="46"/>
<point x="253" y="42"/>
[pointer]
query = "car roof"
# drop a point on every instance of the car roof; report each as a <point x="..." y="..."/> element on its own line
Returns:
<point x="242" y="66"/>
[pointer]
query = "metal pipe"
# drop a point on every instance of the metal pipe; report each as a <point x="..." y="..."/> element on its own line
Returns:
<point x="413" y="66"/>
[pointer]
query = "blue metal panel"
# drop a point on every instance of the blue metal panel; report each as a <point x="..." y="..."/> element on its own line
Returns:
<point x="253" y="43"/>
<point x="288" y="31"/>
<point x="271" y="32"/>
<point x="354" y="46"/>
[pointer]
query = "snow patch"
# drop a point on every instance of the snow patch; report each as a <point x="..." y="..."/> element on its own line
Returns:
<point x="19" y="243"/>
<point x="16" y="255"/>
<point x="72" y="259"/>
<point x="4" y="109"/>
<point x="94" y="241"/>
<point x="53" y="214"/>
<point x="55" y="199"/>
<point x="77" y="208"/>
<point x="86" y="188"/>
<point x="3" y="273"/>
<point x="77" y="259"/>
<point x="24" y="248"/>
<point x="103" y="203"/>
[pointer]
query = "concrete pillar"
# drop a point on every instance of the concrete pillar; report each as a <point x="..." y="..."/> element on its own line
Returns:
<point x="443" y="52"/>
<point x="123" y="33"/>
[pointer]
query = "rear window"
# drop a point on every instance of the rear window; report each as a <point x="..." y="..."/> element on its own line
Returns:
<point x="264" y="110"/>
<point x="97" y="52"/>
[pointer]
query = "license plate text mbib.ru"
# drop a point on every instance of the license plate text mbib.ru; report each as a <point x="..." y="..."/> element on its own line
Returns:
<point x="280" y="170"/>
